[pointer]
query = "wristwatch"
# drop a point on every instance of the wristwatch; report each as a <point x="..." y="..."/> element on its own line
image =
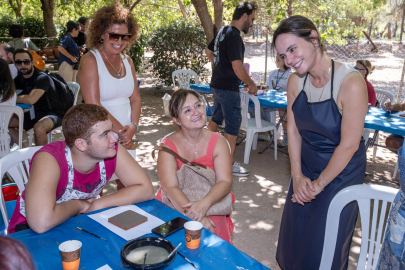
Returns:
<point x="137" y="127"/>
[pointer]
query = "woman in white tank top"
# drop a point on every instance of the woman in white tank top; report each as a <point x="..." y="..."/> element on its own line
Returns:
<point x="107" y="76"/>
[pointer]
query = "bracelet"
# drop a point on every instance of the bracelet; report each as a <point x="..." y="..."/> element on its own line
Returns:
<point x="322" y="182"/>
<point x="137" y="127"/>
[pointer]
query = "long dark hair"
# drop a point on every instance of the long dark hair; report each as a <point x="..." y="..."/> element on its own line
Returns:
<point x="7" y="88"/>
<point x="300" y="27"/>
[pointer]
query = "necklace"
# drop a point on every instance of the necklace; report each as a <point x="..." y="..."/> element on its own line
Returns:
<point x="310" y="97"/>
<point x="193" y="145"/>
<point x="117" y="72"/>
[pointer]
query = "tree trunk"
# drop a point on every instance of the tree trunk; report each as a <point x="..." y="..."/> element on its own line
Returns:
<point x="394" y="35"/>
<point x="134" y="5"/>
<point x="218" y="10"/>
<point x="289" y="8"/>
<point x="205" y="18"/>
<point x="402" y="25"/>
<point x="385" y="28"/>
<point x="389" y="33"/>
<point x="47" y="12"/>
<point x="183" y="10"/>
<point x="16" y="7"/>
<point x="370" y="27"/>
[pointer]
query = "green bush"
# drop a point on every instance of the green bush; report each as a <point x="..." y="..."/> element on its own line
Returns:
<point x="138" y="51"/>
<point x="33" y="27"/>
<point x="177" y="46"/>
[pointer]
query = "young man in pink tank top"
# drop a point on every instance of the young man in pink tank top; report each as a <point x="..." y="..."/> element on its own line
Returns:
<point x="67" y="176"/>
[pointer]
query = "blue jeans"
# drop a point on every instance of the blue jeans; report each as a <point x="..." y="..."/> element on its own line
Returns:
<point x="227" y="107"/>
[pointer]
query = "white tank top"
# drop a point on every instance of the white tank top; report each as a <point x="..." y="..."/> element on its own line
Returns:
<point x="114" y="91"/>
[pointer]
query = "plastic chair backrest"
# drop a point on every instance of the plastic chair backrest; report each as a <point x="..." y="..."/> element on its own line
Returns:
<point x="372" y="236"/>
<point x="183" y="78"/>
<point x="256" y="78"/>
<point x="247" y="67"/>
<point x="76" y="88"/>
<point x="382" y="96"/>
<point x="6" y="111"/>
<point x="244" y="102"/>
<point x="20" y="159"/>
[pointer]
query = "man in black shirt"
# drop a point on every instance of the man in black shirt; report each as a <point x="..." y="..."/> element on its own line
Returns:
<point x="34" y="85"/>
<point x="225" y="53"/>
<point x="81" y="37"/>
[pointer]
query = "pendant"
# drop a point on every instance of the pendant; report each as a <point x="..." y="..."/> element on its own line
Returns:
<point x="118" y="75"/>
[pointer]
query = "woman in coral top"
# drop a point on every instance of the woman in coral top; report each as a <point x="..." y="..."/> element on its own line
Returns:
<point x="195" y="143"/>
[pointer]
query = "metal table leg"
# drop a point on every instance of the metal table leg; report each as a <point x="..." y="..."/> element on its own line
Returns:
<point x="281" y="120"/>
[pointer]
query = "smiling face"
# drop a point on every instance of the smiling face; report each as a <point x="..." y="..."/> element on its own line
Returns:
<point x="115" y="46"/>
<point x="297" y="52"/>
<point x="192" y="114"/>
<point x="102" y="141"/>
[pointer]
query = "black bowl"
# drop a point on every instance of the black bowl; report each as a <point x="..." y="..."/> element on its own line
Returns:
<point x="147" y="241"/>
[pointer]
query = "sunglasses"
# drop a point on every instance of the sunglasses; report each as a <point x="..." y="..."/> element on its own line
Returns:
<point x="116" y="37"/>
<point x="359" y="68"/>
<point x="20" y="62"/>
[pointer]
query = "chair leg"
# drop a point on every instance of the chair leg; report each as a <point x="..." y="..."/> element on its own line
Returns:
<point x="275" y="134"/>
<point x="255" y="139"/>
<point x="375" y="148"/>
<point x="49" y="135"/>
<point x="30" y="137"/>
<point x="394" y="176"/>
<point x="248" y="145"/>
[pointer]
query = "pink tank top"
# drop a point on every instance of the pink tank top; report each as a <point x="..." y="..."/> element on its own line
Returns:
<point x="206" y="160"/>
<point x="82" y="182"/>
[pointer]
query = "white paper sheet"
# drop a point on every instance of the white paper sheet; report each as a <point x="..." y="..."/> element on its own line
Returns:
<point x="104" y="267"/>
<point x="130" y="234"/>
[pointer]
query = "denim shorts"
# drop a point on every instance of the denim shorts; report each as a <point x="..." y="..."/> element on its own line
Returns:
<point x="227" y="107"/>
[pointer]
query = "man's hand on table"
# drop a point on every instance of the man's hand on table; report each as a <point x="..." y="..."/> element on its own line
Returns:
<point x="252" y="89"/>
<point x="388" y="107"/>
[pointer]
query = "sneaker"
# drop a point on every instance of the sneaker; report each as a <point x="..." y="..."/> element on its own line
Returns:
<point x="239" y="170"/>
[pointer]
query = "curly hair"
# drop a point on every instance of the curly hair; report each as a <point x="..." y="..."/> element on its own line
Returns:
<point x="104" y="18"/>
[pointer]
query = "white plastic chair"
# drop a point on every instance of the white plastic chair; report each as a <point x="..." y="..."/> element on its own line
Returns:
<point x="382" y="96"/>
<point x="76" y="89"/>
<point x="6" y="112"/>
<point x="183" y="78"/>
<point x="372" y="236"/>
<point x="19" y="160"/>
<point x="247" y="67"/>
<point x="254" y="126"/>
<point x="256" y="78"/>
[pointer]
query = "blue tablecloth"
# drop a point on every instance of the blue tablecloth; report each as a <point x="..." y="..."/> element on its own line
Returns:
<point x="213" y="253"/>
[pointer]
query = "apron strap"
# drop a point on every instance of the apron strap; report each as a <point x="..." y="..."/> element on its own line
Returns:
<point x="331" y="82"/>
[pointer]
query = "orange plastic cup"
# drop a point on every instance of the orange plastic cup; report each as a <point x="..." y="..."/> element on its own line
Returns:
<point x="70" y="254"/>
<point x="193" y="234"/>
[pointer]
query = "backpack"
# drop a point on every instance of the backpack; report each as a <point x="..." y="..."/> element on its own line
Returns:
<point x="60" y="97"/>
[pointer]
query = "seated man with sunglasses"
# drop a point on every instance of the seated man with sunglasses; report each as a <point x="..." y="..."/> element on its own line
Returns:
<point x="35" y="86"/>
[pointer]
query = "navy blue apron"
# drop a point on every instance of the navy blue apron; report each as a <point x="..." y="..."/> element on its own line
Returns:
<point x="302" y="228"/>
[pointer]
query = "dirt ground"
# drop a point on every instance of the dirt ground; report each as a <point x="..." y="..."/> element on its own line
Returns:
<point x="260" y="197"/>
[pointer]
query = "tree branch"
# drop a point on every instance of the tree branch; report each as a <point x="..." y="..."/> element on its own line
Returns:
<point x="134" y="5"/>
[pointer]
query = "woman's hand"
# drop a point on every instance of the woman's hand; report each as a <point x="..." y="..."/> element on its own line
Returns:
<point x="208" y="224"/>
<point x="302" y="189"/>
<point x="388" y="107"/>
<point x="125" y="134"/>
<point x="196" y="210"/>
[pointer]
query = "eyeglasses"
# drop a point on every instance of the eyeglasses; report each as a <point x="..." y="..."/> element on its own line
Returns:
<point x="20" y="62"/>
<point x="359" y="68"/>
<point x="116" y="37"/>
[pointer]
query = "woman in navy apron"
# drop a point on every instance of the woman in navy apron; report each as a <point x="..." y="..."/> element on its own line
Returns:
<point x="327" y="105"/>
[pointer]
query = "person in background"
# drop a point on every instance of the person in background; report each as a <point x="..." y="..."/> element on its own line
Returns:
<point x="226" y="52"/>
<point x="327" y="106"/>
<point x="17" y="32"/>
<point x="7" y="92"/>
<point x="67" y="176"/>
<point x="394" y="141"/>
<point x="69" y="52"/>
<point x="365" y="68"/>
<point x="196" y="144"/>
<point x="278" y="79"/>
<point x="107" y="75"/>
<point x="35" y="86"/>
<point x="81" y="37"/>
<point x="14" y="255"/>
<point x="6" y="53"/>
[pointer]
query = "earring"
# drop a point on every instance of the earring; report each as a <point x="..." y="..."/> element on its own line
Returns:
<point x="101" y="40"/>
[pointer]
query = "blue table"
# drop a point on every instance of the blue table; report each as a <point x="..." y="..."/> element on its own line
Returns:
<point x="213" y="253"/>
<point x="24" y="106"/>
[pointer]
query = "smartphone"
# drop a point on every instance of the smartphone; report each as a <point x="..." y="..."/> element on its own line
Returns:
<point x="170" y="227"/>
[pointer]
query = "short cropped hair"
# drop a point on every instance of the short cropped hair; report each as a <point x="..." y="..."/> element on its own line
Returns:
<point x="71" y="25"/>
<point x="79" y="120"/>
<point x="16" y="30"/>
<point x="22" y="51"/>
<point x="8" y="49"/>
<point x="242" y="8"/>
<point x="178" y="99"/>
<point x="82" y="20"/>
<point x="14" y="255"/>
